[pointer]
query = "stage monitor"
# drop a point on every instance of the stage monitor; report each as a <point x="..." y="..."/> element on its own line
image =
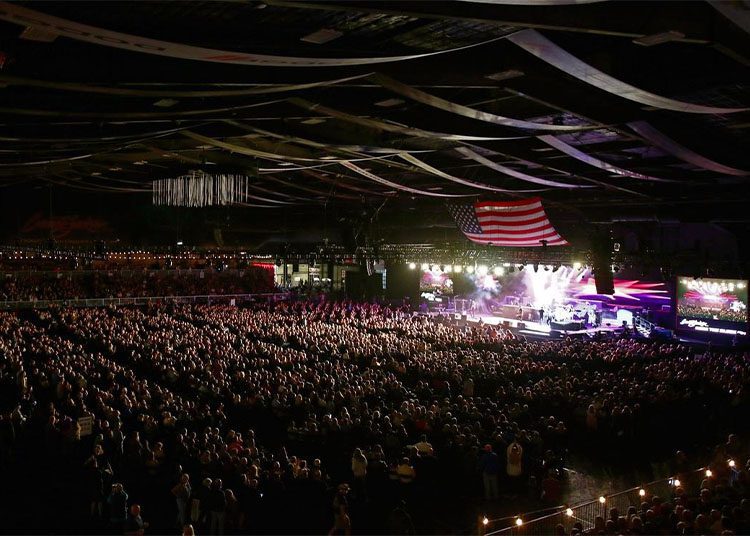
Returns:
<point x="706" y="305"/>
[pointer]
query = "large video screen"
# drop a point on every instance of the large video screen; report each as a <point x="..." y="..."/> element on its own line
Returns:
<point x="712" y="305"/>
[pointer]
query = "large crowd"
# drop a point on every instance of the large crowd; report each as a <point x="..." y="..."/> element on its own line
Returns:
<point x="335" y="417"/>
<point x="70" y="285"/>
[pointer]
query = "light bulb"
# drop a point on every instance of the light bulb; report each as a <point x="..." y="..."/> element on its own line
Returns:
<point x="412" y="266"/>
<point x="602" y="499"/>
<point x="569" y="512"/>
<point x="676" y="482"/>
<point x="519" y="522"/>
<point x="731" y="463"/>
<point x="485" y="521"/>
<point x="709" y="474"/>
<point x="642" y="492"/>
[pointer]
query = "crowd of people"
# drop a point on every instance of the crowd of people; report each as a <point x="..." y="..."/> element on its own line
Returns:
<point x="712" y="313"/>
<point x="336" y="417"/>
<point x="37" y="286"/>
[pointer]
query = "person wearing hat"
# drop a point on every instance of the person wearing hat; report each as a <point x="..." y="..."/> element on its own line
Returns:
<point x="489" y="464"/>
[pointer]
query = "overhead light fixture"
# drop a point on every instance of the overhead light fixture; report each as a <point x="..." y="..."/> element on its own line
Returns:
<point x="505" y="75"/>
<point x="659" y="38"/>
<point x="387" y="103"/>
<point x="324" y="35"/>
<point x="412" y="266"/>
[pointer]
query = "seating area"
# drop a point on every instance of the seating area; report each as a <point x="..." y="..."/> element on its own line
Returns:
<point x="356" y="415"/>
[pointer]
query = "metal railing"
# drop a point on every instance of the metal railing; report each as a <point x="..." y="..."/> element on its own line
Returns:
<point x="141" y="300"/>
<point x="547" y="520"/>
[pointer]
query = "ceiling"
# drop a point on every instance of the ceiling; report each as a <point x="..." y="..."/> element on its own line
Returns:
<point x="87" y="115"/>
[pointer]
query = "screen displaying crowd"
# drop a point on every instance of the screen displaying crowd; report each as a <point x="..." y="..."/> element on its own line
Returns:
<point x="344" y="418"/>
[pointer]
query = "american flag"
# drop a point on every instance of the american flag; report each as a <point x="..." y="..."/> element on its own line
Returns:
<point x="507" y="223"/>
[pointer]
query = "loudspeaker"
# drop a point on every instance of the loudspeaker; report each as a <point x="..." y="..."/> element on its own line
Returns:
<point x="602" y="262"/>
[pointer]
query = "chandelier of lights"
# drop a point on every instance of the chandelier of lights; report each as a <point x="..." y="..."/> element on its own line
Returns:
<point x="200" y="189"/>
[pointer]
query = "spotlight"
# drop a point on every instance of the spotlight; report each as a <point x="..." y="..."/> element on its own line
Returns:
<point x="481" y="269"/>
<point x="458" y="268"/>
<point x="425" y="267"/>
<point x="412" y="266"/>
<point x="448" y="268"/>
<point x="576" y="265"/>
<point x="569" y="512"/>
<point x="498" y="270"/>
<point x="676" y="483"/>
<point x="485" y="521"/>
<point x="469" y="269"/>
<point x="602" y="499"/>
<point x="548" y="267"/>
<point x="506" y="264"/>
<point x="642" y="492"/>
<point x="731" y="463"/>
<point x="519" y="522"/>
<point x="709" y="473"/>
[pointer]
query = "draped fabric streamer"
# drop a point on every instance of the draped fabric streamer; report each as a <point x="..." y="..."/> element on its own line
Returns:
<point x="45" y="162"/>
<point x="593" y="161"/>
<point x="131" y="115"/>
<point x="312" y="190"/>
<point x="202" y="94"/>
<point x="544" y="49"/>
<point x="428" y="168"/>
<point x="339" y="183"/>
<point x="376" y="124"/>
<point x="401" y="187"/>
<point x="200" y="189"/>
<point x="91" y="34"/>
<point x="667" y="144"/>
<point x="328" y="146"/>
<point x="534" y="2"/>
<point x="512" y="172"/>
<point x="459" y="109"/>
<point x="263" y="154"/>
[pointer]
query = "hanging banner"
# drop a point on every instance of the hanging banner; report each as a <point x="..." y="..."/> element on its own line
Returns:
<point x="667" y="144"/>
<point x="30" y="18"/>
<point x="459" y="109"/>
<point x="541" y="47"/>
<point x="512" y="172"/>
<point x="401" y="187"/>
<point x="390" y="127"/>
<point x="202" y="94"/>
<point x="593" y="161"/>
<point x="428" y="168"/>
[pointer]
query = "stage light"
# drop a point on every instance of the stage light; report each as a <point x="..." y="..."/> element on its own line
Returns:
<point x="549" y="267"/>
<point x="709" y="473"/>
<point x="602" y="499"/>
<point x="569" y="512"/>
<point x="498" y="270"/>
<point x="506" y="264"/>
<point x="519" y="522"/>
<point x="448" y="268"/>
<point x="482" y="269"/>
<point x="425" y="267"/>
<point x="731" y="463"/>
<point x="676" y="482"/>
<point x="642" y="492"/>
<point x="412" y="266"/>
<point x="576" y="265"/>
<point x="469" y="269"/>
<point x="458" y="268"/>
<point x="485" y="521"/>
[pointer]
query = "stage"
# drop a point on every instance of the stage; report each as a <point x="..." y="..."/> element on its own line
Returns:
<point x="527" y="327"/>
